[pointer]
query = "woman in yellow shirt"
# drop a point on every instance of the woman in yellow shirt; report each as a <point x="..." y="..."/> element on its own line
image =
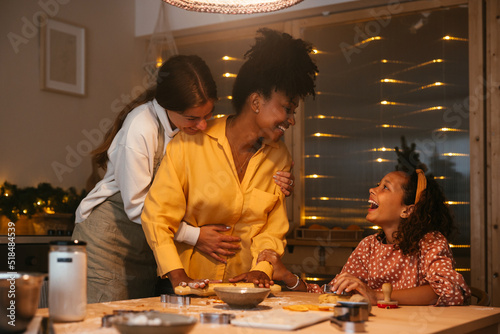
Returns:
<point x="222" y="175"/>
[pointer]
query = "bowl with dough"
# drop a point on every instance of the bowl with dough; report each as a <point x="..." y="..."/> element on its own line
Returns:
<point x="242" y="297"/>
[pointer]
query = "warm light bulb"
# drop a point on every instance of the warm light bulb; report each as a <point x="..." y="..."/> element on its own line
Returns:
<point x="159" y="62"/>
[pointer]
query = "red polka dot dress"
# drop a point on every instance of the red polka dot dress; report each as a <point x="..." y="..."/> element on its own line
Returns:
<point x="376" y="263"/>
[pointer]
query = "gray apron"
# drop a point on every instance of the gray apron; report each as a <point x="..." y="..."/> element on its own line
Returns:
<point x="120" y="263"/>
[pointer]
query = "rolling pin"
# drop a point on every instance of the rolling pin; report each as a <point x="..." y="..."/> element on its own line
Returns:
<point x="209" y="291"/>
<point x="387" y="302"/>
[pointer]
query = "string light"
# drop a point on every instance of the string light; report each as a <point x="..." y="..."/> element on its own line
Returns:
<point x="456" y="203"/>
<point x="325" y="198"/>
<point x="229" y="58"/>
<point x="450" y="38"/>
<point x="382" y="149"/>
<point x="316" y="176"/>
<point x="450" y="130"/>
<point x="459" y="246"/>
<point x="340" y="118"/>
<point x="450" y="154"/>
<point x="427" y="63"/>
<point x="435" y="108"/>
<point x="435" y="84"/>
<point x="392" y="103"/>
<point x="387" y="80"/>
<point x="394" y="126"/>
<point x="329" y="135"/>
<point x="379" y="160"/>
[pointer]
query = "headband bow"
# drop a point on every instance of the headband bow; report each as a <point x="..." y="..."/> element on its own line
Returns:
<point x="421" y="184"/>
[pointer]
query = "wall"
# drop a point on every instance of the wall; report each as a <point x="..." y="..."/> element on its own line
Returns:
<point x="41" y="129"/>
<point x="46" y="135"/>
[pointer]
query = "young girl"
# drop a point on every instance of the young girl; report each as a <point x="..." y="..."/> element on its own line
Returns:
<point x="411" y="251"/>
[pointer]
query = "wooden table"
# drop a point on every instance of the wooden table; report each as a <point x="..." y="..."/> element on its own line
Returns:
<point x="404" y="320"/>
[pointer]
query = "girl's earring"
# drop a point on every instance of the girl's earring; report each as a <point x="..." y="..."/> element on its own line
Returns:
<point x="256" y="111"/>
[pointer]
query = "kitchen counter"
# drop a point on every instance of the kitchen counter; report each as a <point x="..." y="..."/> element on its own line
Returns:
<point x="405" y="319"/>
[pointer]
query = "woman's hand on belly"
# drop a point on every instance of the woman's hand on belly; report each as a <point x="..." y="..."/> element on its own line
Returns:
<point x="215" y="244"/>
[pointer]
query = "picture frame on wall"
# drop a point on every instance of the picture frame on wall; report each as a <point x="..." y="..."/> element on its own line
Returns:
<point x="62" y="58"/>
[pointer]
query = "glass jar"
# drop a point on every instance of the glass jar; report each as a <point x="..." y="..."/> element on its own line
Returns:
<point x="67" y="280"/>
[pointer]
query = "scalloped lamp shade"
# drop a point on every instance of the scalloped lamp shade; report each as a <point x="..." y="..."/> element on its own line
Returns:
<point x="233" y="6"/>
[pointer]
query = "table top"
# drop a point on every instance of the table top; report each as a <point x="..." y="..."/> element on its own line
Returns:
<point x="405" y="319"/>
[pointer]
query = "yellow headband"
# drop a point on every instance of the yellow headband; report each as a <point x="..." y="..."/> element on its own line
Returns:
<point x="421" y="184"/>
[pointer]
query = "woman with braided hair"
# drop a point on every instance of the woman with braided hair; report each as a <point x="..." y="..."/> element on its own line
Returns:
<point x="224" y="173"/>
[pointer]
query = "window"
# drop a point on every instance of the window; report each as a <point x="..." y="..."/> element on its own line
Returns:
<point x="387" y="82"/>
<point x="383" y="79"/>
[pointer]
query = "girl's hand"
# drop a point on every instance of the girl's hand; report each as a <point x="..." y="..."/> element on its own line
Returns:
<point x="348" y="283"/>
<point x="279" y="269"/>
<point x="280" y="273"/>
<point x="215" y="244"/>
<point x="286" y="181"/>
<point x="259" y="278"/>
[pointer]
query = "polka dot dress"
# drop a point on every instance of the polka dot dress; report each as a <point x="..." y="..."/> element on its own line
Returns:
<point x="376" y="263"/>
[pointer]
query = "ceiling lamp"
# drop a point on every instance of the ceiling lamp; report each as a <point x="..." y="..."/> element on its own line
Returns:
<point x="233" y="6"/>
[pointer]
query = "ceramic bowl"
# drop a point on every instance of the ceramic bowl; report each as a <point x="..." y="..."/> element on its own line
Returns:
<point x="19" y="296"/>
<point x="237" y="297"/>
<point x="152" y="322"/>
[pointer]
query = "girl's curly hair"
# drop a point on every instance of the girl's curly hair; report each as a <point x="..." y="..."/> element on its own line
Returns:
<point x="430" y="214"/>
<point x="277" y="62"/>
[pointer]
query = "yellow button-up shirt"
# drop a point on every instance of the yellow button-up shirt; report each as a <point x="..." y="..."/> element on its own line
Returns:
<point x="197" y="182"/>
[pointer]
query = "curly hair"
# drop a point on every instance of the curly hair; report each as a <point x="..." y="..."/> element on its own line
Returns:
<point x="277" y="62"/>
<point x="430" y="214"/>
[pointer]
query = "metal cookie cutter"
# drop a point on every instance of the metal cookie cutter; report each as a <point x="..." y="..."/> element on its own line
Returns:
<point x="348" y="326"/>
<point x="176" y="299"/>
<point x="216" y="318"/>
<point x="327" y="288"/>
<point x="350" y="317"/>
